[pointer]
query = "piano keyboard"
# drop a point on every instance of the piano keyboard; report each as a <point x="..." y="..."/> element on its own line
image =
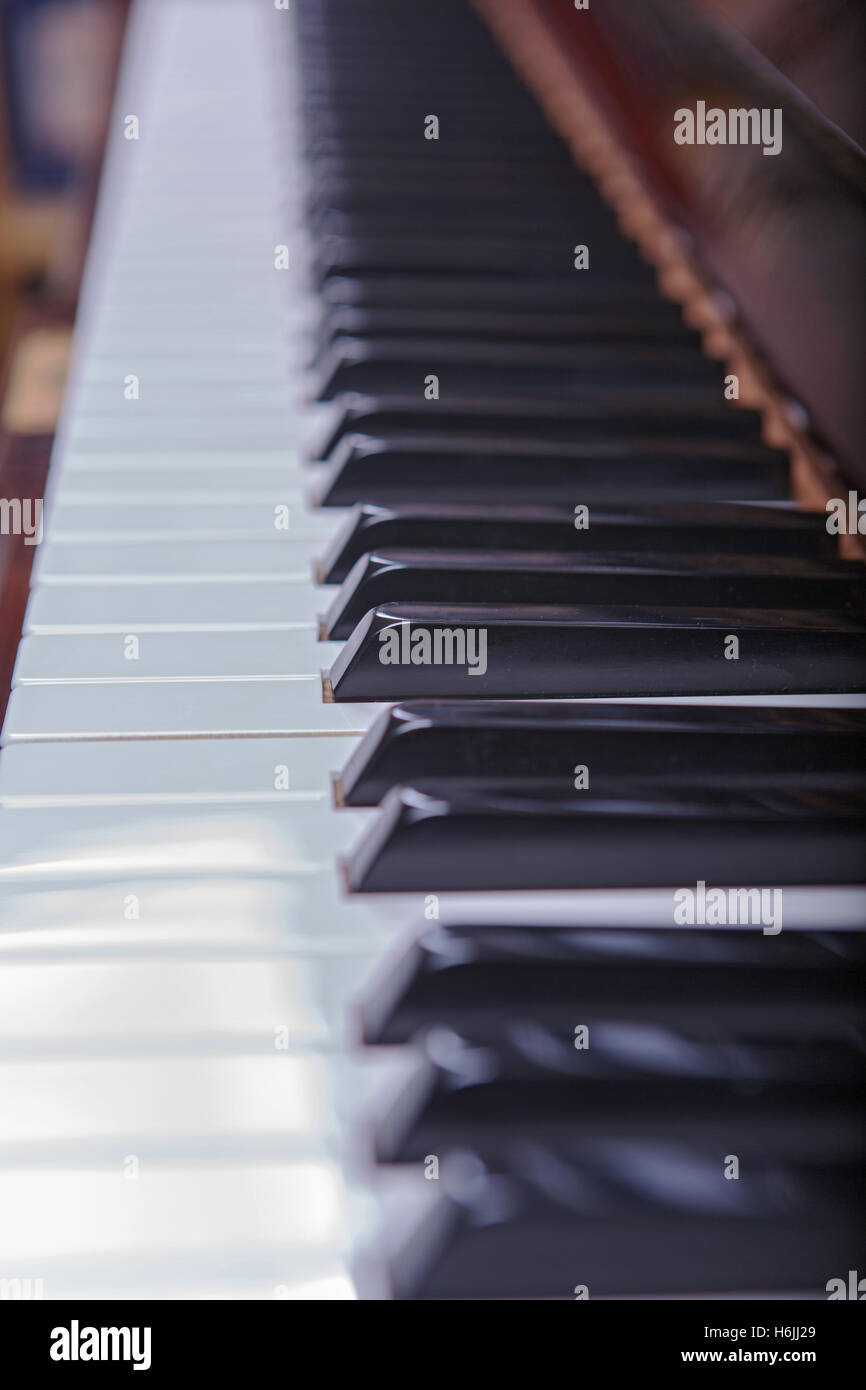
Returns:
<point x="332" y="976"/>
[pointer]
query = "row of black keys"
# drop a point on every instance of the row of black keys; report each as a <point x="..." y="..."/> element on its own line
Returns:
<point x="600" y="1166"/>
<point x="558" y="389"/>
<point x="534" y="796"/>
<point x="629" y="1112"/>
<point x="453" y="601"/>
<point x="454" y="258"/>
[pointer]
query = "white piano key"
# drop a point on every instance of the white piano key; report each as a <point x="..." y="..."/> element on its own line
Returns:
<point x="199" y="431"/>
<point x="224" y="919"/>
<point x="160" y="368"/>
<point x="262" y="918"/>
<point x="240" y="466"/>
<point x="244" y="1274"/>
<point x="171" y="656"/>
<point x="182" y="485"/>
<point x="84" y="520"/>
<point x="263" y="1230"/>
<point x="299" y="836"/>
<point x="282" y="553"/>
<point x="188" y="488"/>
<point x="90" y="1009"/>
<point x="178" y="1209"/>
<point x="170" y="398"/>
<point x="178" y="709"/>
<point x="150" y="606"/>
<point x="279" y="1103"/>
<point x="130" y="344"/>
<point x="820" y="700"/>
<point x="191" y="770"/>
<point x="239" y="240"/>
<point x="122" y="298"/>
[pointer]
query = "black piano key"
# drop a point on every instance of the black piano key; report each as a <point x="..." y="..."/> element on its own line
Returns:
<point x="515" y="325"/>
<point x="483" y="839"/>
<point x="338" y="207"/>
<point x="426" y="39"/>
<point x="410" y="651"/>
<point x="361" y="365"/>
<point x="521" y="421"/>
<point x="356" y="128"/>
<point x="536" y="1042"/>
<point x="449" y="744"/>
<point x="479" y="255"/>
<point x="632" y="1220"/>
<point x="453" y="221"/>
<point x="353" y="118"/>
<point x="529" y="1048"/>
<point x="555" y="578"/>
<point x="476" y="147"/>
<point x="339" y="180"/>
<point x="661" y="1003"/>
<point x="335" y="76"/>
<point x="723" y="528"/>
<point x="410" y="469"/>
<point x="449" y="1110"/>
<point x="600" y="296"/>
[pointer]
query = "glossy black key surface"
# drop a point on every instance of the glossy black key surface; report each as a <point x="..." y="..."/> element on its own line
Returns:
<point x="487" y="840"/>
<point x="723" y="528"/>
<point x="376" y="365"/>
<point x="367" y="184"/>
<point x="534" y="1038"/>
<point x="473" y="255"/>
<point x="519" y="419"/>
<point x="352" y="117"/>
<point x="459" y="220"/>
<point x="410" y="651"/>
<point x="663" y="1003"/>
<point x="516" y="325"/>
<point x="554" y="578"/>
<point x="821" y="1124"/>
<point x="410" y="469"/>
<point x="631" y="1220"/>
<point x="601" y="296"/>
<point x="451" y="744"/>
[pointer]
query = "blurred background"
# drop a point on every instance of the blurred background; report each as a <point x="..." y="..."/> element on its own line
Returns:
<point x="58" y="61"/>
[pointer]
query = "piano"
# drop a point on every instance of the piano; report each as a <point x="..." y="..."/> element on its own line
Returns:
<point x="431" y="844"/>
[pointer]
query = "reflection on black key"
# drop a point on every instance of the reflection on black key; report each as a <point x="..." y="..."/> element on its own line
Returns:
<point x="447" y="745"/>
<point x="577" y="418"/>
<point x="598" y="294"/>
<point x="632" y="1219"/>
<point x="455" y="220"/>
<point x="473" y="255"/>
<point x="410" y="651"/>
<point x="516" y="325"/>
<point x="485" y="839"/>
<point x="553" y="578"/>
<point x="662" y="1003"/>
<point x="410" y="469"/>
<point x="721" y="528"/>
<point x="452" y="1108"/>
<point x="370" y="365"/>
